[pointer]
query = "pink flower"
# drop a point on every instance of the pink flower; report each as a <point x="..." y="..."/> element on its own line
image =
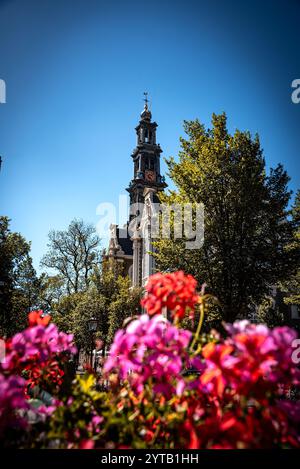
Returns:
<point x="86" y="444"/>
<point x="37" y="343"/>
<point x="291" y="409"/>
<point x="12" y="392"/>
<point x="253" y="361"/>
<point x="150" y="348"/>
<point x="264" y="353"/>
<point x="12" y="398"/>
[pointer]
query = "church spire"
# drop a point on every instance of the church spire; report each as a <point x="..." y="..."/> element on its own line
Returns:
<point x="146" y="114"/>
<point x="146" y="156"/>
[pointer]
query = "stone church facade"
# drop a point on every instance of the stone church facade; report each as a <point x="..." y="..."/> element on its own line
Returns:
<point x="131" y="245"/>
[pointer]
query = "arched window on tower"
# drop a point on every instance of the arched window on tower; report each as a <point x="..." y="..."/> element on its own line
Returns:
<point x="141" y="135"/>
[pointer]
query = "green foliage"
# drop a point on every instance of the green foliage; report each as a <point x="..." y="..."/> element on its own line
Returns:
<point x="62" y="312"/>
<point x="90" y="305"/>
<point x="246" y="217"/>
<point x="109" y="299"/>
<point x="272" y="313"/>
<point x="292" y="285"/>
<point x="122" y="419"/>
<point x="19" y="285"/>
<point x="125" y="304"/>
<point x="51" y="291"/>
<point x="77" y="412"/>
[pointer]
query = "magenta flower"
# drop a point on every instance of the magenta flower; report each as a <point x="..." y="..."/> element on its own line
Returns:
<point x="150" y="349"/>
<point x="37" y="343"/>
<point x="264" y="352"/>
<point x="12" y="399"/>
<point x="251" y="361"/>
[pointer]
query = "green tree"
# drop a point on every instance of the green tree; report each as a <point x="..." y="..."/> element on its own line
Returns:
<point x="125" y="304"/>
<point x="276" y="310"/>
<point x="19" y="285"/>
<point x="52" y="290"/>
<point x="73" y="254"/>
<point x="246" y="217"/>
<point x="109" y="299"/>
<point x="76" y="310"/>
<point x="292" y="285"/>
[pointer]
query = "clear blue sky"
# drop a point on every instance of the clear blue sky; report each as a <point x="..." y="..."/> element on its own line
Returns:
<point x="75" y="73"/>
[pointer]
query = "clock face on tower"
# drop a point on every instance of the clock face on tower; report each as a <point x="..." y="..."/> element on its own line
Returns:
<point x="150" y="176"/>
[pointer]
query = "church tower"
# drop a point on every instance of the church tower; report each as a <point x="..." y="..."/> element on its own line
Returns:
<point x="130" y="247"/>
<point x="143" y="189"/>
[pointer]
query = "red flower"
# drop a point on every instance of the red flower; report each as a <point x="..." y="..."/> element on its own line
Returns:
<point x="193" y="441"/>
<point x="214" y="376"/>
<point x="86" y="444"/>
<point x="175" y="291"/>
<point x="36" y="318"/>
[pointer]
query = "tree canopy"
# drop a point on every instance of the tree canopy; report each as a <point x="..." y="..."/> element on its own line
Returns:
<point x="72" y="254"/>
<point x="292" y="285"/>
<point x="19" y="285"/>
<point x="108" y="299"/>
<point x="247" y="228"/>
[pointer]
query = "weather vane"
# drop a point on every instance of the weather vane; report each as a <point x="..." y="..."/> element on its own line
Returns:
<point x="146" y="98"/>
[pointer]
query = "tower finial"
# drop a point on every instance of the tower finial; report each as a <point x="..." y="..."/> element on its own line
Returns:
<point x="146" y="99"/>
<point x="146" y="114"/>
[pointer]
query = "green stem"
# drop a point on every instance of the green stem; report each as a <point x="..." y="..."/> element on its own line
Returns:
<point x="201" y="318"/>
